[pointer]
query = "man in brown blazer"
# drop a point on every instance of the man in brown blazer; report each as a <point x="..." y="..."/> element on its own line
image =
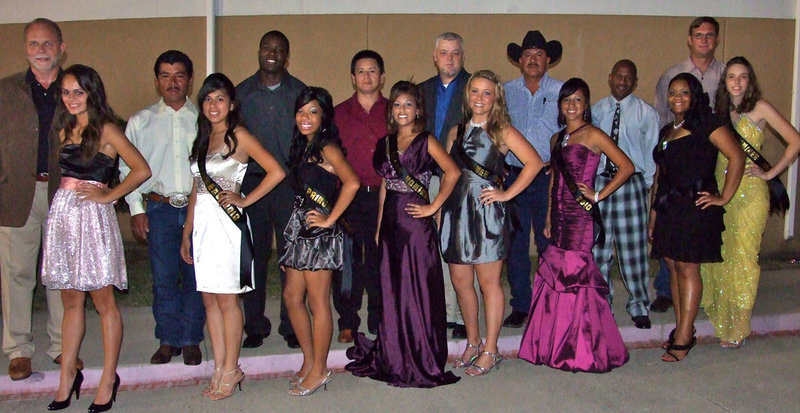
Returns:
<point x="29" y="177"/>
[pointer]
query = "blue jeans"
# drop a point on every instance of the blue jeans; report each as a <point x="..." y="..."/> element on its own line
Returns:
<point x="531" y="209"/>
<point x="177" y="305"/>
<point x="661" y="283"/>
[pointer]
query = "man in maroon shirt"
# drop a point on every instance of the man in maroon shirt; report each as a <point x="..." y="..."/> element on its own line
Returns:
<point x="361" y="120"/>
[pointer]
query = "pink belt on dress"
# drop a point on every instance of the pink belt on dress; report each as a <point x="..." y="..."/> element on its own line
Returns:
<point x="72" y="183"/>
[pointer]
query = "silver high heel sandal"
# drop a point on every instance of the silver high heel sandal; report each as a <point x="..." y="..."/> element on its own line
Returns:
<point x="460" y="363"/>
<point x="480" y="371"/>
<point x="299" y="390"/>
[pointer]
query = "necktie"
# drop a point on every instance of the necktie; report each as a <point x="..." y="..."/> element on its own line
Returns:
<point x="611" y="169"/>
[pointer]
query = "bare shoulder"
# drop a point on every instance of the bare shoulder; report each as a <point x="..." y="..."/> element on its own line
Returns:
<point x="111" y="128"/>
<point x="242" y="133"/>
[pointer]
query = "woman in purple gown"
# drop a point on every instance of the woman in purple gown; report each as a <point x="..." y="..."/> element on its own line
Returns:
<point x="411" y="347"/>
<point x="570" y="325"/>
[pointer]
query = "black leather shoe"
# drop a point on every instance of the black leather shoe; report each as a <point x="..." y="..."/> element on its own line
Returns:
<point x="515" y="320"/>
<point x="164" y="354"/>
<point x="641" y="321"/>
<point x="192" y="355"/>
<point x="459" y="331"/>
<point x="661" y="304"/>
<point x="253" y="341"/>
<point x="291" y="341"/>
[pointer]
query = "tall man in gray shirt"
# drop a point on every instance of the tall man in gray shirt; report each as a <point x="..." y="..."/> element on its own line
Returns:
<point x="267" y="103"/>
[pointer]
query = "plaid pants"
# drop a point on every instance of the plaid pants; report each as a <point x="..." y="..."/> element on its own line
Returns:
<point x="625" y="220"/>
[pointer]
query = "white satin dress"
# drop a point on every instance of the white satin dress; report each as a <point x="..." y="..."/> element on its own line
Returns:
<point x="216" y="240"/>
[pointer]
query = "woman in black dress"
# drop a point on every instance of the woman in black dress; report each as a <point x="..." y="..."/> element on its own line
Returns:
<point x="314" y="238"/>
<point x="686" y="215"/>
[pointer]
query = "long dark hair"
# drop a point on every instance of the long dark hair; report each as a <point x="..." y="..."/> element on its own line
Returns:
<point x="97" y="108"/>
<point x="569" y="88"/>
<point x="214" y="82"/>
<point x="414" y="91"/>
<point x="302" y="150"/>
<point x="724" y="105"/>
<point x="698" y="106"/>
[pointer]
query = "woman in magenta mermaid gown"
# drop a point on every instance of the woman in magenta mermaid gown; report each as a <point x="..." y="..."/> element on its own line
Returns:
<point x="570" y="324"/>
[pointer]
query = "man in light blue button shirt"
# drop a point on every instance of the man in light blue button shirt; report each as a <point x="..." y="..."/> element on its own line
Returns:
<point x="533" y="105"/>
<point x="633" y="124"/>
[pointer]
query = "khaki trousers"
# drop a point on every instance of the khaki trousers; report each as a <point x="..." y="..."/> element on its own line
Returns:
<point x="19" y="255"/>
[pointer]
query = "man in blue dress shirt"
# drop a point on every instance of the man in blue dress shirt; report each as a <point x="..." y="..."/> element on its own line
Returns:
<point x="533" y="105"/>
<point x="444" y="97"/>
<point x="633" y="125"/>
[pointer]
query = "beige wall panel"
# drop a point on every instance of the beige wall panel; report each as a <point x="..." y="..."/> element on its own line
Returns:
<point x="321" y="47"/>
<point x="123" y="51"/>
<point x="12" y="59"/>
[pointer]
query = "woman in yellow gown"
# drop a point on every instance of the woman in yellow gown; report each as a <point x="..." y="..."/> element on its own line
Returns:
<point x="730" y="286"/>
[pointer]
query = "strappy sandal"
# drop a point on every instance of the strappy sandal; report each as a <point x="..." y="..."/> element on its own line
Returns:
<point x="299" y="390"/>
<point x="480" y="371"/>
<point x="460" y="363"/>
<point x="671" y="338"/>
<point x="214" y="384"/>
<point x="670" y="357"/>
<point x="227" y="386"/>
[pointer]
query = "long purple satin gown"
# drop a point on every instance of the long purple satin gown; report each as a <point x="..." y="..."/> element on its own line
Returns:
<point x="411" y="347"/>
<point x="570" y="324"/>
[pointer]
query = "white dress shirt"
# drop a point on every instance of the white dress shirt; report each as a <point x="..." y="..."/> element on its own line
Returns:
<point x="164" y="136"/>
<point x="709" y="79"/>
<point x="638" y="131"/>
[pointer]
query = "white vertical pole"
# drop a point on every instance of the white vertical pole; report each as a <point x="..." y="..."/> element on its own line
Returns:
<point x="211" y="36"/>
<point x="791" y="184"/>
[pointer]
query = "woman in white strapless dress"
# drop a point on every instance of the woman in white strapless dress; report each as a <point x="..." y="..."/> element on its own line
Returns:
<point x="212" y="241"/>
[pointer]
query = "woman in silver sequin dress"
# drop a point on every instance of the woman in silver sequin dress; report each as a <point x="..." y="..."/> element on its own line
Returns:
<point x="212" y="242"/>
<point x="83" y="248"/>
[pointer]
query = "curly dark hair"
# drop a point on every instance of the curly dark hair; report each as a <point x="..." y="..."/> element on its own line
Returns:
<point x="699" y="108"/>
<point x="213" y="83"/>
<point x="411" y="89"/>
<point x="97" y="108"/>
<point x="304" y="151"/>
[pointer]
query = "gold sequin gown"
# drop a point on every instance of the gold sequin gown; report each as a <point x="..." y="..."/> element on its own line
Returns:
<point x="729" y="287"/>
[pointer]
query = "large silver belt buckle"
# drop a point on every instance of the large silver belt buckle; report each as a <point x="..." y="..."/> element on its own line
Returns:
<point x="178" y="200"/>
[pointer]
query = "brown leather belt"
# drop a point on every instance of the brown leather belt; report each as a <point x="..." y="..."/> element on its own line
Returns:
<point x="152" y="196"/>
<point x="42" y="177"/>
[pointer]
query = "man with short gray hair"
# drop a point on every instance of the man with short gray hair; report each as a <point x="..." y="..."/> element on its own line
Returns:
<point x="444" y="95"/>
<point x="29" y="177"/>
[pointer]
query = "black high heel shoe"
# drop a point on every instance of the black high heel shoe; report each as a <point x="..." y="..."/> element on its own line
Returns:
<point x="97" y="408"/>
<point x="76" y="388"/>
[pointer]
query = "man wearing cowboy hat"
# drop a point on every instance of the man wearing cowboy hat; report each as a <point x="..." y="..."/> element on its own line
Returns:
<point x="533" y="105"/>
